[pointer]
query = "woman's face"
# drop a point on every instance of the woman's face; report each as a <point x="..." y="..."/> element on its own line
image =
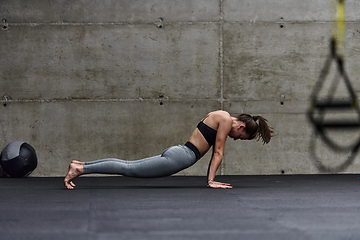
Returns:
<point x="239" y="133"/>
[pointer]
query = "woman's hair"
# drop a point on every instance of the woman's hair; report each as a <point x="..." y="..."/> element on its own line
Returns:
<point x="255" y="130"/>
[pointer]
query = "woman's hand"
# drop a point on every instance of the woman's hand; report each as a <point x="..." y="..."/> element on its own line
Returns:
<point x="213" y="184"/>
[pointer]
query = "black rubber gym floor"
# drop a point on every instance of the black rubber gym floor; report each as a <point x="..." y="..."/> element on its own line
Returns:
<point x="258" y="207"/>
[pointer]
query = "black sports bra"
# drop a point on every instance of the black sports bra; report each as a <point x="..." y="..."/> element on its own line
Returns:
<point x="208" y="133"/>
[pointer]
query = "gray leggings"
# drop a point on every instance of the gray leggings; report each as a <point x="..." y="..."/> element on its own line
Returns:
<point x="172" y="160"/>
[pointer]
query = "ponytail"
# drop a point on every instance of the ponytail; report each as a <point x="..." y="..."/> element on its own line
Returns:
<point x="264" y="130"/>
<point x="261" y="130"/>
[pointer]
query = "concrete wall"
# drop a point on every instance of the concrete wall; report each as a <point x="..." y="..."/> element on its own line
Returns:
<point x="127" y="79"/>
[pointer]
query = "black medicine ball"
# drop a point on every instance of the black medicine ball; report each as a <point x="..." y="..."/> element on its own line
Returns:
<point x="18" y="159"/>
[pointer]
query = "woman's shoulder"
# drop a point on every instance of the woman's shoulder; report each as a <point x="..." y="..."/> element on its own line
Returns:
<point x="219" y="117"/>
<point x="220" y="114"/>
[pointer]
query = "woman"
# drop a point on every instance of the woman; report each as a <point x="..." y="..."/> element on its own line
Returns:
<point x="211" y="131"/>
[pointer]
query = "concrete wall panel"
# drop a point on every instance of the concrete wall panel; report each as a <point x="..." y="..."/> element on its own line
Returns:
<point x="289" y="150"/>
<point x="266" y="61"/>
<point x="288" y="10"/>
<point x="61" y="131"/>
<point x="113" y="11"/>
<point x="110" y="61"/>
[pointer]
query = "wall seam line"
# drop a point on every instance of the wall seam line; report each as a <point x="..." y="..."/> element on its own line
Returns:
<point x="221" y="56"/>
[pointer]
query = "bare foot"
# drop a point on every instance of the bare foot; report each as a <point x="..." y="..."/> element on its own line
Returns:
<point x="78" y="162"/>
<point x="75" y="170"/>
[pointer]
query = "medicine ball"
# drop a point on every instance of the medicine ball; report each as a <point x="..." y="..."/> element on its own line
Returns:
<point x="18" y="159"/>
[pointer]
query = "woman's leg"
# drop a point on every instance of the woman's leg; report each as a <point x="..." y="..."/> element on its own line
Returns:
<point x="172" y="160"/>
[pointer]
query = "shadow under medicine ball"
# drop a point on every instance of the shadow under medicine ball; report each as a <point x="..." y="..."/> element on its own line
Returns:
<point x="18" y="159"/>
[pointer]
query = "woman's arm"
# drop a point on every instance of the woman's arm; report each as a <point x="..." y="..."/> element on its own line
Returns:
<point x="211" y="183"/>
<point x="225" y="124"/>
